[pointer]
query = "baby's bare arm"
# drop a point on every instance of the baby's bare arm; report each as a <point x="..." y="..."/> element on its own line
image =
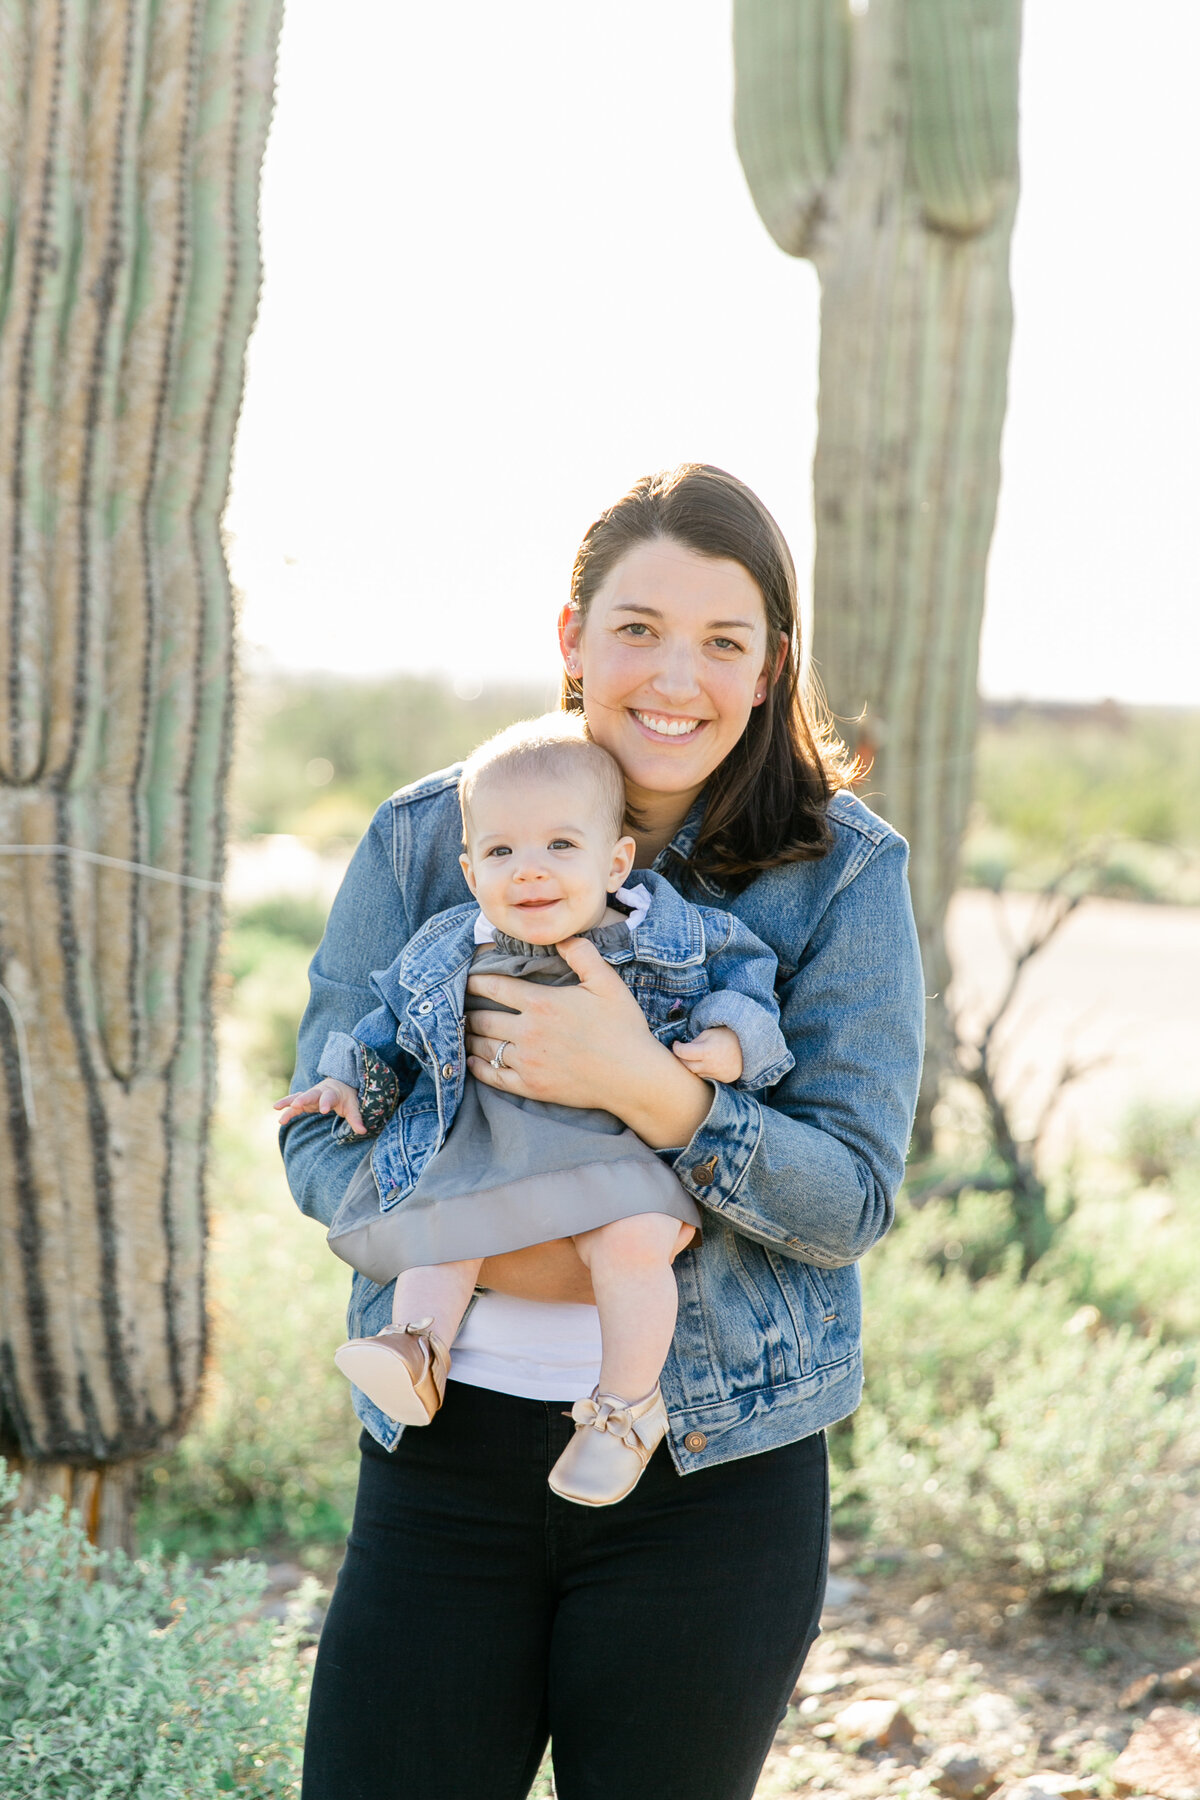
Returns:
<point x="327" y="1096"/>
<point x="714" y="1054"/>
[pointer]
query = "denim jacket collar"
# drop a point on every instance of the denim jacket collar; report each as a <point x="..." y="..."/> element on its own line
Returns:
<point x="671" y="934"/>
<point x="681" y="847"/>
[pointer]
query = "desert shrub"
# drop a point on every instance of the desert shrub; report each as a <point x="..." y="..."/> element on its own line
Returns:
<point x="1136" y="1258"/>
<point x="145" y="1678"/>
<point x="271" y="1452"/>
<point x="1157" y="1140"/>
<point x="1026" y="1439"/>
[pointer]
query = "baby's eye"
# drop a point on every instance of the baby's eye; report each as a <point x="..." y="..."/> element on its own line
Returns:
<point x="562" y="844"/>
<point x="500" y="850"/>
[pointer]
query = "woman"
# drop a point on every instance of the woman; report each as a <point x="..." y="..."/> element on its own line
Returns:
<point x="656" y="1642"/>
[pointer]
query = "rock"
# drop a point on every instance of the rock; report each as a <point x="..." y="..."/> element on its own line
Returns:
<point x="995" y="1712"/>
<point x="1162" y="1757"/>
<point x="873" y="1725"/>
<point x="1177" y="1684"/>
<point x="1144" y="1688"/>
<point x="820" y="1684"/>
<point x="841" y="1589"/>
<point x="935" y="1613"/>
<point x="961" y="1775"/>
<point x="1049" y="1784"/>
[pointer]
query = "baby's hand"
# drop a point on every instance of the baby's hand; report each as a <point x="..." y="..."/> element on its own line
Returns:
<point x="328" y="1096"/>
<point x="715" y="1054"/>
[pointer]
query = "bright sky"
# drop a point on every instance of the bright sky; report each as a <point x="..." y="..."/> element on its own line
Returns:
<point x="512" y="264"/>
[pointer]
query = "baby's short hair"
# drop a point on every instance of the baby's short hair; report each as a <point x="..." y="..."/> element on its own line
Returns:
<point x="553" y="746"/>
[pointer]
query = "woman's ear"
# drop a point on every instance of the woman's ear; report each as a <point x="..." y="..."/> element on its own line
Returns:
<point x="624" y="853"/>
<point x="768" y="674"/>
<point x="570" y="634"/>
<point x="464" y="863"/>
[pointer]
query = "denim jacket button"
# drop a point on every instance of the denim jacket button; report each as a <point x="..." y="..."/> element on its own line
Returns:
<point x="426" y="1006"/>
<point x="702" y="1173"/>
<point x="695" y="1440"/>
<point x="447" y="1071"/>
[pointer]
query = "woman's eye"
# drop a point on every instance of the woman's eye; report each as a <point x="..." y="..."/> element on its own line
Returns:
<point x="637" y="629"/>
<point x="726" y="644"/>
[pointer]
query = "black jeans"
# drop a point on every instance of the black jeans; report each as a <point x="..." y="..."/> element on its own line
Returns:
<point x="477" y="1615"/>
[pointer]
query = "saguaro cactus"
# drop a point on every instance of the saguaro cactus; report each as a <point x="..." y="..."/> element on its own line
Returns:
<point x="131" y="137"/>
<point x="881" y="144"/>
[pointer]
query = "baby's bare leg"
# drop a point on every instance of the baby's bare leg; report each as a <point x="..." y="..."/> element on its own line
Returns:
<point x="441" y="1291"/>
<point x="551" y="1271"/>
<point x="630" y="1263"/>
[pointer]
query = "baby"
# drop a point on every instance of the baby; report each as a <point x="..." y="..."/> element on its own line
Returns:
<point x="546" y="857"/>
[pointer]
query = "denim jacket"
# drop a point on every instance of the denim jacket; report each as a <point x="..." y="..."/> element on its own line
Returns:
<point x="794" y="1186"/>
<point x="689" y="968"/>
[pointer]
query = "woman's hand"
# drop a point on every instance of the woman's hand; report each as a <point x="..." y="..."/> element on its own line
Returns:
<point x="585" y="1046"/>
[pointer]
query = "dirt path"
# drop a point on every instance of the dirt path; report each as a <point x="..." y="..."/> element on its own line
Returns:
<point x="979" y="1675"/>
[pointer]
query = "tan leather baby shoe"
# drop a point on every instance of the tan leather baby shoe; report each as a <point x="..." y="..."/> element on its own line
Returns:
<point x="403" y="1369"/>
<point x="614" y="1440"/>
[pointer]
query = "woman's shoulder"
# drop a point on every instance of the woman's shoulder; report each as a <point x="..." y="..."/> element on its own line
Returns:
<point x="847" y="813"/>
<point x="422" y="826"/>
<point x="787" y="905"/>
<point x="437" y="792"/>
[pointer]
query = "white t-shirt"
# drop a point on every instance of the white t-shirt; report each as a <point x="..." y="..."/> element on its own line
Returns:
<point x="538" y="1349"/>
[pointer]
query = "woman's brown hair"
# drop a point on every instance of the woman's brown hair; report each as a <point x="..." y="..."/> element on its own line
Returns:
<point x="766" y="802"/>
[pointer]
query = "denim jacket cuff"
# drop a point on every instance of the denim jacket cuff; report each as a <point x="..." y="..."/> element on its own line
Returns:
<point x="341" y="1060"/>
<point x="345" y="1059"/>
<point x="766" y="1058"/>
<point x="713" y="1166"/>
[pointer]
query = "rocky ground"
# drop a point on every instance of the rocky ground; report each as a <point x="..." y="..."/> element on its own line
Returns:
<point x="916" y="1687"/>
<point x="920" y="1688"/>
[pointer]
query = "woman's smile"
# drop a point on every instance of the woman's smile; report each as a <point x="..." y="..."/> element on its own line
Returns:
<point x="662" y="725"/>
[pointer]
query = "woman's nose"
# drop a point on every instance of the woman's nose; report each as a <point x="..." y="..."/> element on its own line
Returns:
<point x="675" y="677"/>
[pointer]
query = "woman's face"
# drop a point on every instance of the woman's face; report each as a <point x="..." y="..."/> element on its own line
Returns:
<point x="673" y="655"/>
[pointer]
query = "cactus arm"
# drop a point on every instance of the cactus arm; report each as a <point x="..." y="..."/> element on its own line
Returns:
<point x="790" y="61"/>
<point x="963" y="99"/>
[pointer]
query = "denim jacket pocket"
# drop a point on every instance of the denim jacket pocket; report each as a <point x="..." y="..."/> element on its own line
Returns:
<point x="420" y="1131"/>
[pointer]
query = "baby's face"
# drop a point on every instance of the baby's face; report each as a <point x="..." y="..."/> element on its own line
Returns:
<point x="541" y="859"/>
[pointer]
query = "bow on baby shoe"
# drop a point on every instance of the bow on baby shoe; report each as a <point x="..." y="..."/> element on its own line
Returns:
<point x="608" y="1413"/>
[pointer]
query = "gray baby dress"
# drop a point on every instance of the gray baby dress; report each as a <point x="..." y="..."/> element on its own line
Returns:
<point x="512" y="1172"/>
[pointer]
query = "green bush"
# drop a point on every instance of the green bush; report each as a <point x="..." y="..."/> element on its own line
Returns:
<point x="123" y="1679"/>
<point x="271" y="1453"/>
<point x="1158" y="1140"/>
<point x="1025" y="1438"/>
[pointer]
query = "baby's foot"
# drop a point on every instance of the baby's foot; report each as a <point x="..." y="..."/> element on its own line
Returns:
<point x="614" y="1440"/>
<point x="403" y="1369"/>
